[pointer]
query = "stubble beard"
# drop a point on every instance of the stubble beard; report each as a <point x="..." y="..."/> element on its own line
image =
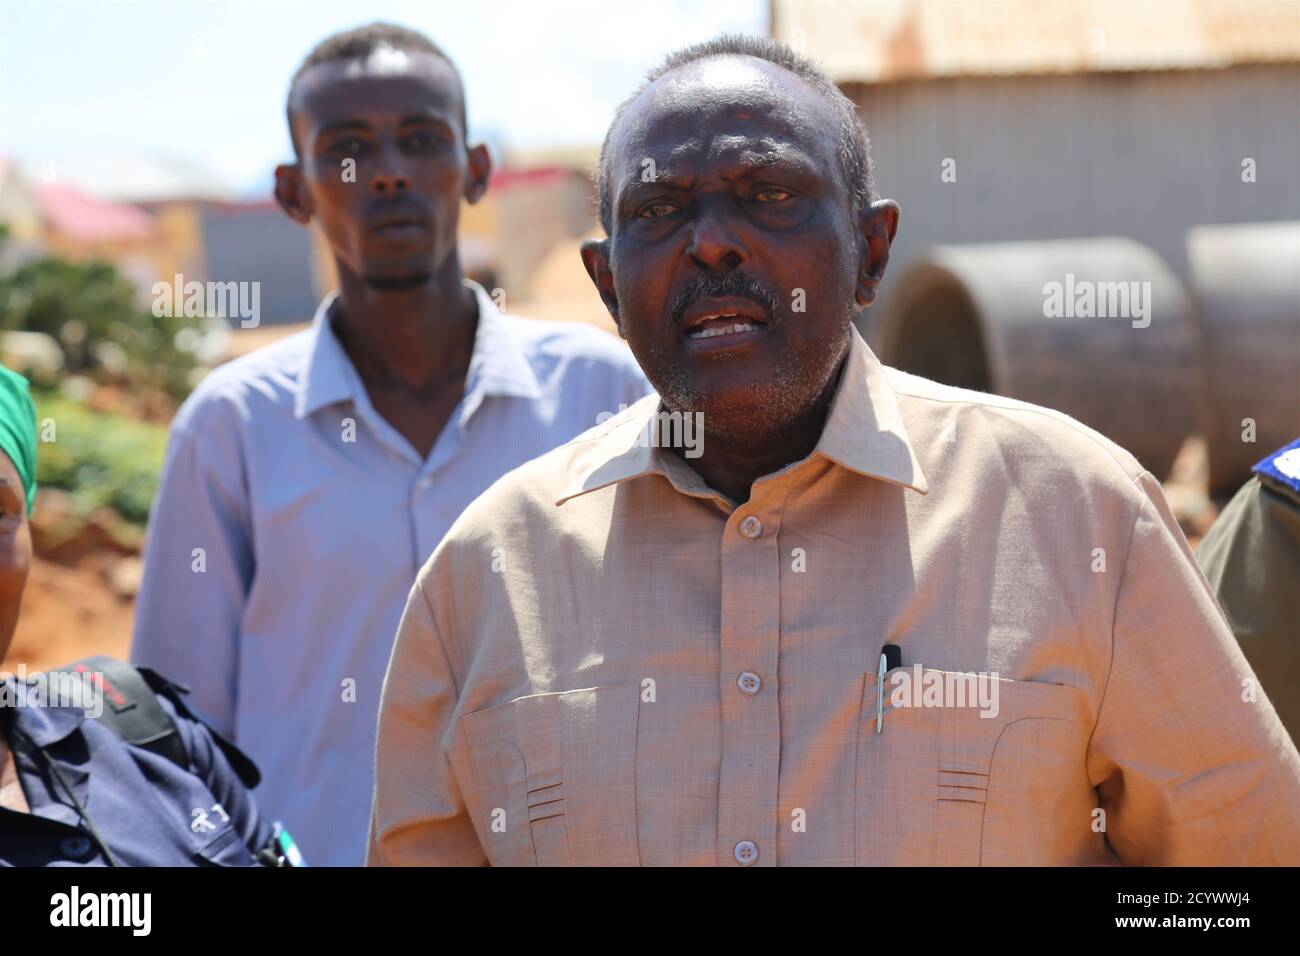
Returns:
<point x="786" y="394"/>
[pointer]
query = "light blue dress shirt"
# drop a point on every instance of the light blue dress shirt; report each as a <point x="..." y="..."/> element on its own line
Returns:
<point x="292" y="520"/>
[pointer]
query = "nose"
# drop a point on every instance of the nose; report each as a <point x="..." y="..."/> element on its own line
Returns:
<point x="389" y="177"/>
<point x="389" y="183"/>
<point x="714" y="245"/>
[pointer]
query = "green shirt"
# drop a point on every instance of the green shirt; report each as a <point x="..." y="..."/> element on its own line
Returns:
<point x="1252" y="560"/>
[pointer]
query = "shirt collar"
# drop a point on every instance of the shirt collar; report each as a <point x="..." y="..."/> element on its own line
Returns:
<point x="864" y="433"/>
<point x="498" y="365"/>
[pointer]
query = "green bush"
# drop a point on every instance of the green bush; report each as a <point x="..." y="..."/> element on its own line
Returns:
<point x="93" y="312"/>
<point x="102" y="460"/>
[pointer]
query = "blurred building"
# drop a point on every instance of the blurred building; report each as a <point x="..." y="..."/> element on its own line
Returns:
<point x="156" y="219"/>
<point x="44" y="215"/>
<point x="20" y="209"/>
<point x="257" y="242"/>
<point x="1087" y="118"/>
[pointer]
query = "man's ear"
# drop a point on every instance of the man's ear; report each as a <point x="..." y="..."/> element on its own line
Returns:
<point x="291" y="193"/>
<point x="480" y="171"/>
<point x="595" y="256"/>
<point x="877" y="225"/>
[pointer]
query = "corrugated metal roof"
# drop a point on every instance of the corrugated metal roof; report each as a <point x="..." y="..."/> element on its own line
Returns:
<point x="889" y="40"/>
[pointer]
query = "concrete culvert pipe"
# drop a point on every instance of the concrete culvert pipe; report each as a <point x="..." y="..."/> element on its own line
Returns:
<point x="1245" y="285"/>
<point x="1096" y="328"/>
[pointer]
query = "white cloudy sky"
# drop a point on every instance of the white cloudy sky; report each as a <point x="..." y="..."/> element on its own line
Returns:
<point x="205" y="80"/>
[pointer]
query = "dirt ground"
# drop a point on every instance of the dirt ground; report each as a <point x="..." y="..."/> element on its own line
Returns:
<point x="68" y="612"/>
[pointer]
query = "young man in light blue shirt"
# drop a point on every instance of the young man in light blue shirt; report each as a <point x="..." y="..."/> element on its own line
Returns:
<point x="306" y="483"/>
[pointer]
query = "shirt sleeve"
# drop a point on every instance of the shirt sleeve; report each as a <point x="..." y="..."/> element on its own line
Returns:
<point x="208" y="761"/>
<point x="198" y="569"/>
<point x="1191" y="763"/>
<point x="418" y="817"/>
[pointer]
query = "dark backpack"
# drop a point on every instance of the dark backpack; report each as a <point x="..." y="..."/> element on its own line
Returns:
<point x="131" y="710"/>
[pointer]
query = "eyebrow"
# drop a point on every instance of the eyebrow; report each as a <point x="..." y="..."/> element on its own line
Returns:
<point x="670" y="180"/>
<point x="357" y="125"/>
<point x="422" y="118"/>
<point x="795" y="161"/>
<point x="750" y="162"/>
<point x="342" y="126"/>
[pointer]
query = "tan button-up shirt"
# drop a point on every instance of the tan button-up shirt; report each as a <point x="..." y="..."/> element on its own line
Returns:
<point x="607" y="662"/>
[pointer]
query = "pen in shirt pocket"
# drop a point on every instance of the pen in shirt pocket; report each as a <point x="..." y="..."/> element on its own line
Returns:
<point x="891" y="656"/>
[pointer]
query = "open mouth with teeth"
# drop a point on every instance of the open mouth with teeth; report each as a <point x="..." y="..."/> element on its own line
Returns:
<point x="722" y="325"/>
<point x="718" y="323"/>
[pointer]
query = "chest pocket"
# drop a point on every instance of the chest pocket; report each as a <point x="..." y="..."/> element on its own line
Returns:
<point x="554" y="778"/>
<point x="943" y="785"/>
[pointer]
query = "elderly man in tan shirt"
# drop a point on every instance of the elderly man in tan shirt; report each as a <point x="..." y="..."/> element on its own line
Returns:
<point x="666" y="644"/>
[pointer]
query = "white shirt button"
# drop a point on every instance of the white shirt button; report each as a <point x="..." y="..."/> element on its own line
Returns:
<point x="749" y="683"/>
<point x="751" y="527"/>
<point x="746" y="852"/>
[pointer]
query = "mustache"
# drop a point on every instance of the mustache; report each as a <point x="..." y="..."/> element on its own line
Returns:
<point x="398" y="206"/>
<point x="707" y="285"/>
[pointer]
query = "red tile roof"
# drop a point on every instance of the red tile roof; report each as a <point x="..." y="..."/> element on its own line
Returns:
<point x="73" y="215"/>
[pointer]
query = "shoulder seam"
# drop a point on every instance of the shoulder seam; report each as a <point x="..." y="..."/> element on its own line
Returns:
<point x="1060" y="418"/>
<point x="1138" y="511"/>
<point x="437" y="636"/>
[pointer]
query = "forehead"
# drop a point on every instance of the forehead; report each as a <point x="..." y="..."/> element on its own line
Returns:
<point x="711" y="108"/>
<point x="387" y="81"/>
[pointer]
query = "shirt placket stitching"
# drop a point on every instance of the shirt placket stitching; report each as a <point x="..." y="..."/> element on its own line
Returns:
<point x="751" y="732"/>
